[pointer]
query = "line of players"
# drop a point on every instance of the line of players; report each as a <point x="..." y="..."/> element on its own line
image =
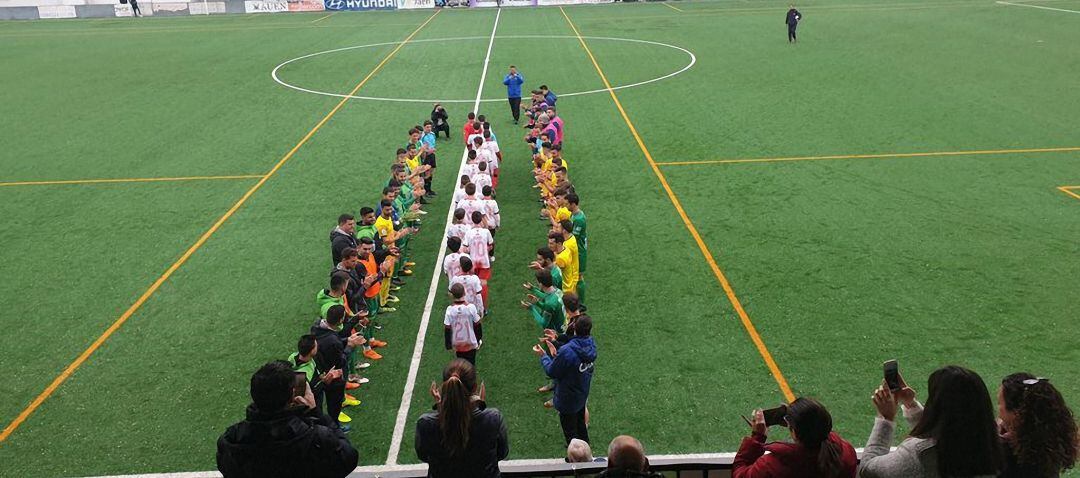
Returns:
<point x="371" y="262"/>
<point x="470" y="240"/>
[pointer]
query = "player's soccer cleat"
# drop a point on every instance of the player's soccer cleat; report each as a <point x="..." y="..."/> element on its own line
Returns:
<point x="406" y="272"/>
<point x="410" y="264"/>
<point x="354" y="378"/>
<point x="549" y="404"/>
<point x="372" y="355"/>
<point x="343" y="418"/>
<point x="387" y="310"/>
<point x="351" y="386"/>
<point x="350" y="403"/>
<point x="376" y="343"/>
<point x="362" y="365"/>
<point x="546" y="388"/>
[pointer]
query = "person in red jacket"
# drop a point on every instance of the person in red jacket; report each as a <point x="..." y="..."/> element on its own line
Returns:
<point x="815" y="451"/>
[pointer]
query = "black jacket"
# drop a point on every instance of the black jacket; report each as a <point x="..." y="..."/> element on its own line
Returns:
<point x="793" y="17"/>
<point x="488" y="444"/>
<point x="439" y="118"/>
<point x="332" y="349"/>
<point x="355" y="292"/>
<point x="286" y="444"/>
<point x="339" y="240"/>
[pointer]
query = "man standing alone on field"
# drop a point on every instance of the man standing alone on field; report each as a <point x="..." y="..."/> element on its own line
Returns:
<point x="513" y="82"/>
<point x="793" y="19"/>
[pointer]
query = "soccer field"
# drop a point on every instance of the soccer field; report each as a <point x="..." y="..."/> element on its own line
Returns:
<point x="767" y="220"/>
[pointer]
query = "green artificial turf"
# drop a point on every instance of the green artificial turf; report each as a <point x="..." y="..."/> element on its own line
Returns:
<point x="840" y="264"/>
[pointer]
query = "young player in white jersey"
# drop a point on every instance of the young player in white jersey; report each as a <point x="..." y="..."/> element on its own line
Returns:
<point x="458" y="228"/>
<point x="472" y="284"/>
<point x="452" y="261"/>
<point x="482" y="178"/>
<point x="462" y="329"/>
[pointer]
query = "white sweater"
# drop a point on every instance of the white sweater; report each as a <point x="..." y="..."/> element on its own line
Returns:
<point x="913" y="458"/>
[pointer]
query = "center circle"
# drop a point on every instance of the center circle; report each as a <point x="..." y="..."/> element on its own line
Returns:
<point x="274" y="74"/>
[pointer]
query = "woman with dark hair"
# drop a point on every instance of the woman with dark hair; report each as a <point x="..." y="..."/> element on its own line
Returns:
<point x="953" y="436"/>
<point x="462" y="438"/>
<point x="1037" y="428"/>
<point x="815" y="452"/>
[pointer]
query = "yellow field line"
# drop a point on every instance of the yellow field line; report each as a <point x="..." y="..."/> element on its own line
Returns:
<point x="873" y="156"/>
<point x="317" y="20"/>
<point x="194" y="247"/>
<point x="677" y="9"/>
<point x="1068" y="190"/>
<point x="750" y="329"/>
<point x="126" y="180"/>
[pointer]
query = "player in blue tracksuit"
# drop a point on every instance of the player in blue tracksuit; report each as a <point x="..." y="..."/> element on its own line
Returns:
<point x="572" y="369"/>
<point x="792" y="21"/>
<point x="513" y="82"/>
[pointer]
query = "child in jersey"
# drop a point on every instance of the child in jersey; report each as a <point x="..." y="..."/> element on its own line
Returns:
<point x="472" y="284"/>
<point x="458" y="228"/>
<point x="462" y="331"/>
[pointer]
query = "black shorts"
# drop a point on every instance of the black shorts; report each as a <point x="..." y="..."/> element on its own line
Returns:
<point x="429" y="160"/>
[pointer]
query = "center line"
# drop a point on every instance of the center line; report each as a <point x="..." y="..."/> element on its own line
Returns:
<point x="418" y="349"/>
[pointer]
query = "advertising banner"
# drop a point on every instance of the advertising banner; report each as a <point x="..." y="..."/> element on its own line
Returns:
<point x="207" y="8"/>
<point x="123" y="10"/>
<point x="266" y="6"/>
<point x="358" y="5"/>
<point x="306" y="6"/>
<point x="570" y="2"/>
<point x="56" y="11"/>
<point x="172" y="8"/>
<point x="413" y="4"/>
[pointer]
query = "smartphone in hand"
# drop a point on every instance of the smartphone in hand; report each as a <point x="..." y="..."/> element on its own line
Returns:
<point x="775" y="416"/>
<point x="892" y="375"/>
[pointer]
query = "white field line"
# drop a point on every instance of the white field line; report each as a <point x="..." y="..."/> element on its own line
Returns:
<point x="418" y="349"/>
<point x="276" y="78"/>
<point x="1037" y="6"/>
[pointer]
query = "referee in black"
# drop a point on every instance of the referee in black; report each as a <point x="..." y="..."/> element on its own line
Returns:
<point x="793" y="18"/>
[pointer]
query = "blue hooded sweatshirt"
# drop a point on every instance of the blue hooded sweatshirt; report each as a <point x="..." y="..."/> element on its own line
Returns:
<point x="572" y="370"/>
<point x="513" y="85"/>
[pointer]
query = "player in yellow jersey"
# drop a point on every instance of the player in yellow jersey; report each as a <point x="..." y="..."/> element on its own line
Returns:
<point x="566" y="260"/>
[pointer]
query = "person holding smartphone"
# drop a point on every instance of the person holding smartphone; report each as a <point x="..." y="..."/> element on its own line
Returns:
<point x="955" y="434"/>
<point x="284" y="434"/>
<point x="814" y="452"/>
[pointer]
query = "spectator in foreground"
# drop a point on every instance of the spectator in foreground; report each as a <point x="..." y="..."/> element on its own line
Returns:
<point x="954" y="435"/>
<point x="1037" y="428"/>
<point x="815" y="451"/>
<point x="571" y="368"/>
<point x="578" y="452"/>
<point x="626" y="458"/>
<point x="462" y="438"/>
<point x="284" y="434"/>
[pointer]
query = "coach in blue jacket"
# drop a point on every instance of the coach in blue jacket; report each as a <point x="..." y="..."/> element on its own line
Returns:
<point x="572" y="369"/>
<point x="513" y="82"/>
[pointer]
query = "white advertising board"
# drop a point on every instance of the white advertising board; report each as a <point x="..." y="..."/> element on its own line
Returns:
<point x="266" y="6"/>
<point x="201" y="8"/>
<point x="414" y="4"/>
<point x="570" y="2"/>
<point x="56" y="11"/>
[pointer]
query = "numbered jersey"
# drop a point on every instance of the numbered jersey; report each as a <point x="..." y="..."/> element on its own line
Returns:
<point x="462" y="319"/>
